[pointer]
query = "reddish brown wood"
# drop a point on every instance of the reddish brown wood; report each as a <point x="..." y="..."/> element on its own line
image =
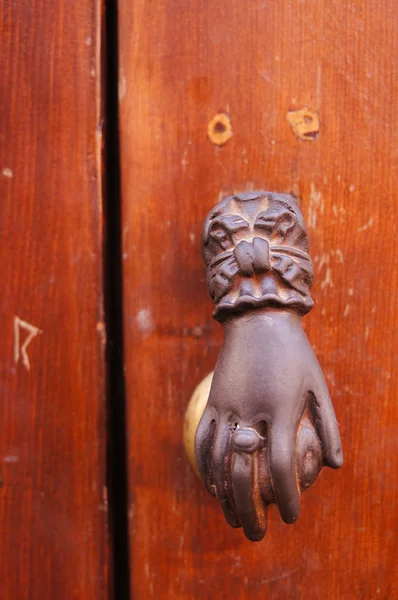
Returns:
<point x="181" y="63"/>
<point x="53" y="507"/>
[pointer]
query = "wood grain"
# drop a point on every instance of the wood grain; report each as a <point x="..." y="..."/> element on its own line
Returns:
<point x="180" y="64"/>
<point x="53" y="507"/>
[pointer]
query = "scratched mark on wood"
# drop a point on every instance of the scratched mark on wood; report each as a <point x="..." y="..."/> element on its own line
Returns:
<point x="20" y="351"/>
<point x="219" y="129"/>
<point x="304" y="123"/>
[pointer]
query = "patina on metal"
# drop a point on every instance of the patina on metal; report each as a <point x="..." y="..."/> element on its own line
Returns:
<point x="269" y="425"/>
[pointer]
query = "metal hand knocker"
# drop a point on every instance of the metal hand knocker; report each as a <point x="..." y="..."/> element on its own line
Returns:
<point x="269" y="425"/>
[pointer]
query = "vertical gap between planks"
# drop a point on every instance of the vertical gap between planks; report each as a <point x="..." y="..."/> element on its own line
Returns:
<point x="116" y="398"/>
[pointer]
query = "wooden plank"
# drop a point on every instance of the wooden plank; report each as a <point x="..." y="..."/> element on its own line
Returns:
<point x="53" y="511"/>
<point x="180" y="64"/>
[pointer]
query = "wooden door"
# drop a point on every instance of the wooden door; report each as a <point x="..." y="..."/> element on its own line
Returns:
<point x="260" y="63"/>
<point x="106" y="322"/>
<point x="54" y="540"/>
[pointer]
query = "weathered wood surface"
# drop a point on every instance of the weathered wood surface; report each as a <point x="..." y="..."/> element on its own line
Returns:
<point x="181" y="63"/>
<point x="53" y="540"/>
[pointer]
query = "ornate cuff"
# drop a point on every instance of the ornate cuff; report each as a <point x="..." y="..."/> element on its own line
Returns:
<point x="255" y="246"/>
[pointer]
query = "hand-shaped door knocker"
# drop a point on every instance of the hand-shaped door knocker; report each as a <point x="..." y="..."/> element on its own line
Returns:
<point x="269" y="424"/>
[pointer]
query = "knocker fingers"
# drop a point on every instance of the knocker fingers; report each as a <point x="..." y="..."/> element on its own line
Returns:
<point x="326" y="424"/>
<point x="283" y="470"/>
<point x="248" y="448"/>
<point x="204" y="440"/>
<point x="249" y="467"/>
<point x="231" y="465"/>
<point x="221" y="459"/>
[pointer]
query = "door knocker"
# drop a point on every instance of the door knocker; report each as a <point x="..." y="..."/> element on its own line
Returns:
<point x="269" y="426"/>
